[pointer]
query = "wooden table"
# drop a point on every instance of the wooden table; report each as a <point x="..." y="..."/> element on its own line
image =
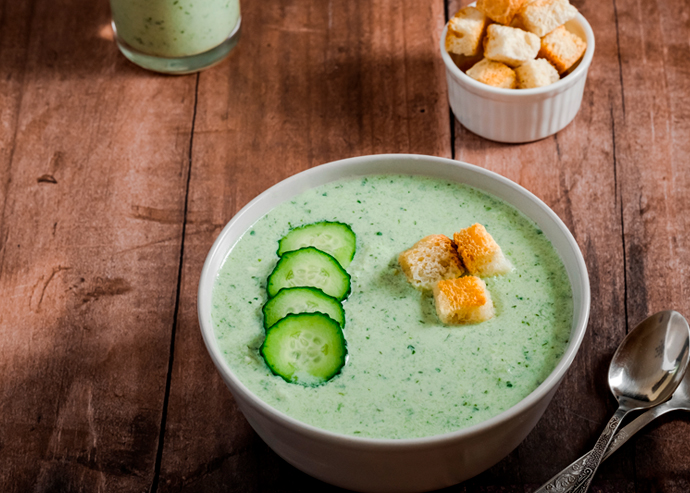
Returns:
<point x="115" y="181"/>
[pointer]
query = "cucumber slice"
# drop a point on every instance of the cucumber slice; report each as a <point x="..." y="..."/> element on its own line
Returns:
<point x="309" y="267"/>
<point x="334" y="238"/>
<point x="301" y="300"/>
<point x="305" y="348"/>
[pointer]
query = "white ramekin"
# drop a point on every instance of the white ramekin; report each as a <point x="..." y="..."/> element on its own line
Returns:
<point x="518" y="115"/>
<point x="405" y="465"/>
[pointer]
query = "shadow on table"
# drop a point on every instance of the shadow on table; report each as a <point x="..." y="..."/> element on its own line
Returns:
<point x="50" y="42"/>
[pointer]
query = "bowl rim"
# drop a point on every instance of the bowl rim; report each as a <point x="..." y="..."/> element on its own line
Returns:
<point x="485" y="89"/>
<point x="208" y="277"/>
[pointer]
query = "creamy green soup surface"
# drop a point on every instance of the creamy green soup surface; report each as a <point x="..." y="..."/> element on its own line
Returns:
<point x="407" y="375"/>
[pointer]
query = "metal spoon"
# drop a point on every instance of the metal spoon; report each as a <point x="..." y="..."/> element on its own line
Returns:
<point x="680" y="401"/>
<point x="645" y="370"/>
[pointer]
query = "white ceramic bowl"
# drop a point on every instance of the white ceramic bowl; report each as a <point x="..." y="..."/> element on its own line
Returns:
<point x="400" y="465"/>
<point x="518" y="115"/>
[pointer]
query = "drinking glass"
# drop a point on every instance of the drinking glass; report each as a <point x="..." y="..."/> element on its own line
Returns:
<point x="176" y="36"/>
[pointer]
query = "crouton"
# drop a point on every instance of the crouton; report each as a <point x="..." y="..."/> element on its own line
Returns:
<point x="501" y="11"/>
<point x="536" y="73"/>
<point x="465" y="32"/>
<point x="463" y="301"/>
<point x="543" y="16"/>
<point x="481" y="255"/>
<point x="562" y="48"/>
<point x="430" y="260"/>
<point x="493" y="73"/>
<point x="510" y="45"/>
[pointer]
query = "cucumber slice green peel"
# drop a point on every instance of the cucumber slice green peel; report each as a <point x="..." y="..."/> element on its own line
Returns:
<point x="309" y="267"/>
<point x="301" y="300"/>
<point x="306" y="348"/>
<point x="336" y="239"/>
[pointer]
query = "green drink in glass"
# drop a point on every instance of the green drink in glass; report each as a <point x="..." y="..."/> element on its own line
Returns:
<point x="176" y="36"/>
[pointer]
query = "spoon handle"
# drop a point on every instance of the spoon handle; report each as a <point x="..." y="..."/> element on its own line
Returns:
<point x="578" y="480"/>
<point x="563" y="481"/>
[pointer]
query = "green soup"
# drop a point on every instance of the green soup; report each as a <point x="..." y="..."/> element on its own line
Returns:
<point x="174" y="28"/>
<point x="407" y="375"/>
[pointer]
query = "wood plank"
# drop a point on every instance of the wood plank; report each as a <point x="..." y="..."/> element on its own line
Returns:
<point x="652" y="137"/>
<point x="94" y="180"/>
<point x="571" y="171"/>
<point x="94" y="156"/>
<point x="14" y="20"/>
<point x="359" y="77"/>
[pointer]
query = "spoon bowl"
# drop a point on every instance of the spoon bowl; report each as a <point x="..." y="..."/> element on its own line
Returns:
<point x="651" y="361"/>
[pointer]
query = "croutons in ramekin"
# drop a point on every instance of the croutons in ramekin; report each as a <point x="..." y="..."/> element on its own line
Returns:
<point x="501" y="11"/>
<point x="562" y="48"/>
<point x="510" y="45"/>
<point x="543" y="16"/>
<point x="493" y="73"/>
<point x="465" y="32"/>
<point x="536" y="73"/>
<point x="514" y="33"/>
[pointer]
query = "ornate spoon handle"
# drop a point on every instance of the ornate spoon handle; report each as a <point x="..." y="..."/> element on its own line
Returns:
<point x="564" y="481"/>
<point x="595" y="457"/>
<point x="578" y="480"/>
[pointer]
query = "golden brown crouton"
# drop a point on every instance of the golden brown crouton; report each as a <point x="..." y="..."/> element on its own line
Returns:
<point x="536" y="73"/>
<point x="495" y="74"/>
<point x="562" y="48"/>
<point x="501" y="11"/>
<point x="465" y="32"/>
<point x="430" y="260"/>
<point x="480" y="253"/>
<point x="463" y="301"/>
<point x="543" y="16"/>
<point x="510" y="45"/>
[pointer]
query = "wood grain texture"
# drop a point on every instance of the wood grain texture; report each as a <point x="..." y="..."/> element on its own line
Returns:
<point x="14" y="24"/>
<point x="94" y="164"/>
<point x="358" y="78"/>
<point x="114" y="182"/>
<point x="653" y="140"/>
